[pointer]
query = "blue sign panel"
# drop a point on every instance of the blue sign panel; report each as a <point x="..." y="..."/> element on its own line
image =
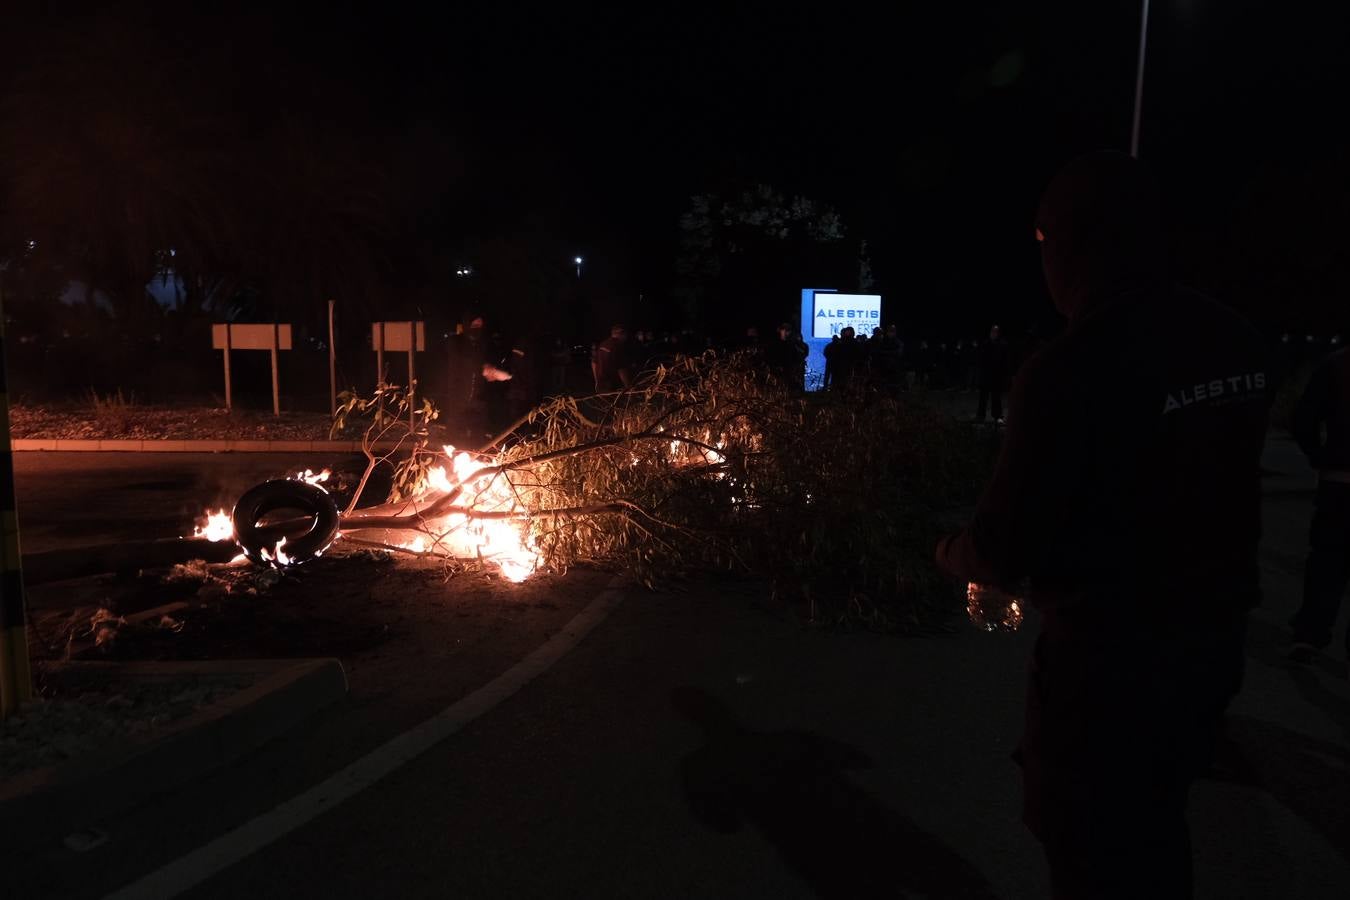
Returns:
<point x="815" y="359"/>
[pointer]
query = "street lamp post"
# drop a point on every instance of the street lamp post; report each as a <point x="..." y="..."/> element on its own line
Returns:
<point x="1139" y="82"/>
<point x="578" y="261"/>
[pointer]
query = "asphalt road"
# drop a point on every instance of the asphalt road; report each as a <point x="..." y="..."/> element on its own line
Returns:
<point x="863" y="766"/>
<point x="77" y="499"/>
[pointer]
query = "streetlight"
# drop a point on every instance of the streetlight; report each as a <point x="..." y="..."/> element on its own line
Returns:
<point x="578" y="260"/>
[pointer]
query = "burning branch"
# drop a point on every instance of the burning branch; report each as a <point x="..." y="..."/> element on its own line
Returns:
<point x="706" y="462"/>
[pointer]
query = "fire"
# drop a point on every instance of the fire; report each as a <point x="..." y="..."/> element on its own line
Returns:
<point x="279" y="559"/>
<point x="218" y="527"/>
<point x="514" y="571"/>
<point x="438" y="480"/>
<point x="309" y="477"/>
<point x="682" y="452"/>
<point x="505" y="542"/>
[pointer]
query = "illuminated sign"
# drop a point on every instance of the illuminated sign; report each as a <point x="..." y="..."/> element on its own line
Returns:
<point x="833" y="313"/>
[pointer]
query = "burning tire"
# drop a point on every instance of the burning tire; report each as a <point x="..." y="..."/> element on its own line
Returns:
<point x="261" y="545"/>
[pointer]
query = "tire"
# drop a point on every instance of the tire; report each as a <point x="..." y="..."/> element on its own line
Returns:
<point x="270" y="496"/>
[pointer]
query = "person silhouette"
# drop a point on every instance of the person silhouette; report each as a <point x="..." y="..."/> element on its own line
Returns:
<point x="1325" y="407"/>
<point x="1127" y="499"/>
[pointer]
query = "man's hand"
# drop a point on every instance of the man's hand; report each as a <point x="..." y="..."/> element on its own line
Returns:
<point x="941" y="556"/>
<point x="958" y="558"/>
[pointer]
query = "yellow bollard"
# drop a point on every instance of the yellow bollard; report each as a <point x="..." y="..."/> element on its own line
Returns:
<point x="16" y="677"/>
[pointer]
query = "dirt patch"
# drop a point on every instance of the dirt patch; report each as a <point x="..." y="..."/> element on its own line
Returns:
<point x="396" y="624"/>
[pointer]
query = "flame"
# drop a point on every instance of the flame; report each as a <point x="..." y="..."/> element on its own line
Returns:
<point x="437" y="480"/>
<point x="278" y="558"/>
<point x="514" y="571"/>
<point x="504" y="542"/>
<point x="218" y="527"/>
<point x="683" y="453"/>
<point x="308" y="476"/>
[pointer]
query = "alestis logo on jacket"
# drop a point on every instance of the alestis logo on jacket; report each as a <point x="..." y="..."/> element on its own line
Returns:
<point x="1230" y="389"/>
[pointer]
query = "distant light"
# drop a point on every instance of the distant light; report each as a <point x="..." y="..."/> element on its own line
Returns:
<point x="577" y="260"/>
<point x="32" y="245"/>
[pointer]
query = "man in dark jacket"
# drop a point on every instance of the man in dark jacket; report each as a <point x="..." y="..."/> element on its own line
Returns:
<point x="1325" y="404"/>
<point x="1127" y="497"/>
<point x="829" y="352"/>
<point x="994" y="370"/>
<point x="611" y="363"/>
<point x="886" y="360"/>
<point x="785" y="356"/>
<point x="466" y="395"/>
<point x="847" y="357"/>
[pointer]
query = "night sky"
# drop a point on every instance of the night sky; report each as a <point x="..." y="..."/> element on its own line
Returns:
<point x="931" y="128"/>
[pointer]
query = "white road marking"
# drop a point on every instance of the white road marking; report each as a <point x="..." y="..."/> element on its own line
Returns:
<point x="197" y="866"/>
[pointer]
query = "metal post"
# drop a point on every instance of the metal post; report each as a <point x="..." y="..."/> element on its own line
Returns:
<point x="276" y="380"/>
<point x="229" y="400"/>
<point x="379" y="356"/>
<point x="1139" y="83"/>
<point x="332" y="365"/>
<point x="378" y="338"/>
<point x="412" y="381"/>
<point x="16" y="677"/>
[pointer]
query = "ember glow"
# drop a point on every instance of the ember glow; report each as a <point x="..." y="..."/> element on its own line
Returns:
<point x="218" y="527"/>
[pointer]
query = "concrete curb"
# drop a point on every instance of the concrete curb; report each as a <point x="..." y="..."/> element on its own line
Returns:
<point x="42" y="805"/>
<point x="22" y="445"/>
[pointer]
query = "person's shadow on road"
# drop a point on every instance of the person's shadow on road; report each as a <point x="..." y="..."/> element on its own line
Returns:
<point x="791" y="786"/>
<point x="1305" y="773"/>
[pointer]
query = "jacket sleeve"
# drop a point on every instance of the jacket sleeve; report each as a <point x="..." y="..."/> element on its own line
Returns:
<point x="1311" y="412"/>
<point x="1035" y="476"/>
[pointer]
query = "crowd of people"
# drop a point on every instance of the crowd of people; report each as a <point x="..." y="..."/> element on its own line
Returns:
<point x="492" y="377"/>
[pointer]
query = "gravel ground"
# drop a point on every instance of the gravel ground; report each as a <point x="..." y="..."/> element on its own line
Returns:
<point x="54" y="730"/>
<point x="142" y="423"/>
<point x="132" y="422"/>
